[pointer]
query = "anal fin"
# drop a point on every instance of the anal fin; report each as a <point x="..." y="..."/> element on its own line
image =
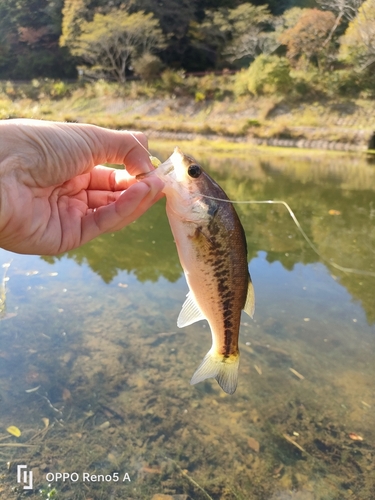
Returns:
<point x="250" y="300"/>
<point x="190" y="312"/>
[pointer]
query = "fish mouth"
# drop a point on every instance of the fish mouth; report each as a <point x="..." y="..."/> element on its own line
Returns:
<point x="162" y="170"/>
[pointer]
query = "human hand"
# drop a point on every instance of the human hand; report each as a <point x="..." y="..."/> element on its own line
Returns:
<point x="55" y="195"/>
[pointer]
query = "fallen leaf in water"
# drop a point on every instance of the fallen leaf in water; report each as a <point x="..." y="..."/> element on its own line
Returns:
<point x="66" y="394"/>
<point x="334" y="212"/>
<point x="14" y="430"/>
<point x="355" y="437"/>
<point x="253" y="444"/>
<point x="151" y="470"/>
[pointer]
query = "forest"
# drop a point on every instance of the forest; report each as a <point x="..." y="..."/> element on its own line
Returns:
<point x="125" y="39"/>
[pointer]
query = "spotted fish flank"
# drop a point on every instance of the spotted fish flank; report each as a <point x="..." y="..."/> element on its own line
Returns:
<point x="212" y="249"/>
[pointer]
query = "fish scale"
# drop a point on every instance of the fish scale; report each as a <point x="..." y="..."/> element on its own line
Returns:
<point x="211" y="245"/>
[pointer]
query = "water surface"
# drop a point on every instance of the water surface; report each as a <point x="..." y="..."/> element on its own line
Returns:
<point x="92" y="334"/>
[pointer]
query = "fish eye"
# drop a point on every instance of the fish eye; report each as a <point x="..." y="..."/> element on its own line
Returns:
<point x="194" y="171"/>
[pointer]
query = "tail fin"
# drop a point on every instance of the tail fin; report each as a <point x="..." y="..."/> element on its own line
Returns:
<point x="223" y="369"/>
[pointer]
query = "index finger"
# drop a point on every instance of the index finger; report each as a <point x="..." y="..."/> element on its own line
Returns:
<point x="123" y="147"/>
<point x="109" y="179"/>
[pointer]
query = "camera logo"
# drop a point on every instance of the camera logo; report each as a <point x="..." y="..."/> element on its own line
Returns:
<point x="25" y="477"/>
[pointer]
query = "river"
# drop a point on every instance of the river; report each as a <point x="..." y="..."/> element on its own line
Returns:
<point x="95" y="373"/>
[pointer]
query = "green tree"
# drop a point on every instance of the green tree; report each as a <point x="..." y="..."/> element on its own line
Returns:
<point x="73" y="13"/>
<point x="268" y="74"/>
<point x="174" y="17"/>
<point x="343" y="9"/>
<point x="249" y="37"/>
<point x="358" y="43"/>
<point x="231" y="34"/>
<point x="110" y="41"/>
<point x="29" y="33"/>
<point x="291" y="17"/>
<point x="7" y="30"/>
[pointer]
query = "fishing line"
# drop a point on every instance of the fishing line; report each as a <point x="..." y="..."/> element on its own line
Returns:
<point x="156" y="162"/>
<point x="299" y="227"/>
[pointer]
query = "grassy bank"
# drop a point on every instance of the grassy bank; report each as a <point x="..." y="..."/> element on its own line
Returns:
<point x="214" y="110"/>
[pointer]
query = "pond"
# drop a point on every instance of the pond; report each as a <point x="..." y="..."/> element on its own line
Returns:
<point x="95" y="373"/>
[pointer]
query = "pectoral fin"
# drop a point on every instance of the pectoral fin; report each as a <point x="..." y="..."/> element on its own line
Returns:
<point x="250" y="300"/>
<point x="190" y="312"/>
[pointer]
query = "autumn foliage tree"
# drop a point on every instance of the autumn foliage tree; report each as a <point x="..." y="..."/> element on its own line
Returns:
<point x="305" y="41"/>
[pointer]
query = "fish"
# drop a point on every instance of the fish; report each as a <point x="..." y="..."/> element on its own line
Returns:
<point x="212" y="249"/>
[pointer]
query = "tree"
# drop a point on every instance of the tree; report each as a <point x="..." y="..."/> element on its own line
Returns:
<point x="268" y="74"/>
<point x="305" y="40"/>
<point x="7" y="30"/>
<point x="73" y="14"/>
<point x="231" y="33"/>
<point x="343" y="9"/>
<point x="29" y="33"/>
<point x="174" y="17"/>
<point x="110" y="41"/>
<point x="358" y="43"/>
<point x="248" y="36"/>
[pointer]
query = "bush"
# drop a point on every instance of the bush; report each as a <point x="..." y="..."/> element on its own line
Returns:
<point x="212" y="86"/>
<point x="240" y="83"/>
<point x="148" y="67"/>
<point x="172" y="80"/>
<point x="350" y="82"/>
<point x="60" y="89"/>
<point x="308" y="81"/>
<point x="266" y="75"/>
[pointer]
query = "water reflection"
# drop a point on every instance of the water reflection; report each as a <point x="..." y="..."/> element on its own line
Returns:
<point x="334" y="202"/>
<point x="92" y="334"/>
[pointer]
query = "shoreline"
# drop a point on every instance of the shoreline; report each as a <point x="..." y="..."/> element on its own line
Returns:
<point x="266" y="144"/>
<point x="340" y="124"/>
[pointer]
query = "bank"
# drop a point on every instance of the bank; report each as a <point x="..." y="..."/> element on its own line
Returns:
<point x="340" y="124"/>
